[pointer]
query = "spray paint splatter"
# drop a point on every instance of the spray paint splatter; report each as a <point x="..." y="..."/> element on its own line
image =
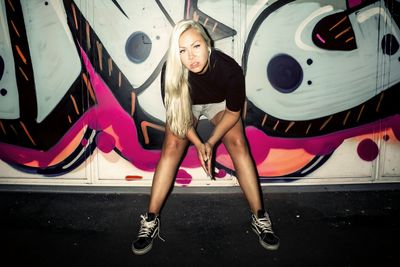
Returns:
<point x="367" y="150"/>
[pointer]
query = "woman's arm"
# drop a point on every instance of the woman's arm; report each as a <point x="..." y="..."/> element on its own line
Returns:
<point x="193" y="137"/>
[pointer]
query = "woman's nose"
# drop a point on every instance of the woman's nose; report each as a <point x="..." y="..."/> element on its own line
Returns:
<point x="190" y="54"/>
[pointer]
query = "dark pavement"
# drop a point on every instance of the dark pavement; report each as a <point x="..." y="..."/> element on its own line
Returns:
<point x="340" y="226"/>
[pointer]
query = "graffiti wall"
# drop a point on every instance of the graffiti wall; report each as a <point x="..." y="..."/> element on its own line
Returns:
<point x="80" y="99"/>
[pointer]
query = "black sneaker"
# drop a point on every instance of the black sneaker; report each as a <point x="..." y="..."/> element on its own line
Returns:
<point x="149" y="229"/>
<point x="261" y="225"/>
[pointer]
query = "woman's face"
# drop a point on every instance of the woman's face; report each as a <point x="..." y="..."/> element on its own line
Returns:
<point x="193" y="51"/>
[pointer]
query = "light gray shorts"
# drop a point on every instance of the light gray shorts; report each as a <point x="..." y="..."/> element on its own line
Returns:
<point x="208" y="110"/>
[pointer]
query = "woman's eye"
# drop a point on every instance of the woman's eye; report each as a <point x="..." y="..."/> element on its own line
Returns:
<point x="181" y="51"/>
<point x="197" y="46"/>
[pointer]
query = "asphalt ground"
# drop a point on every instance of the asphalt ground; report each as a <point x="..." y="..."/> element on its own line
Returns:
<point x="326" y="227"/>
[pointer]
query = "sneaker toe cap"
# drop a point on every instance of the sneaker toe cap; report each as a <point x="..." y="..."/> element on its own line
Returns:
<point x="270" y="238"/>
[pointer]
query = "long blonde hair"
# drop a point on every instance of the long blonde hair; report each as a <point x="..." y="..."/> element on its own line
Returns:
<point x="177" y="96"/>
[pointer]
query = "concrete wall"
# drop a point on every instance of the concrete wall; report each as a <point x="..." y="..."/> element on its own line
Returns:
<point x="80" y="99"/>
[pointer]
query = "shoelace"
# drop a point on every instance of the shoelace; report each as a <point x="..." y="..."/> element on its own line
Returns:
<point x="264" y="224"/>
<point x="147" y="227"/>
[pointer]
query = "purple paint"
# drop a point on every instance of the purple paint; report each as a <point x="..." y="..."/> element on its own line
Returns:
<point x="353" y="3"/>
<point x="84" y="142"/>
<point x="386" y="137"/>
<point x="396" y="132"/>
<point x="183" y="178"/>
<point x="220" y="174"/>
<point x="105" y="142"/>
<point x="367" y="150"/>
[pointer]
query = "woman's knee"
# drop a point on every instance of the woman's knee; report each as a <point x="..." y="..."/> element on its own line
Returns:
<point x="236" y="143"/>
<point x="173" y="144"/>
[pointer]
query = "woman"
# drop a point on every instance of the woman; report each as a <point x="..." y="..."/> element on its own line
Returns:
<point x="202" y="81"/>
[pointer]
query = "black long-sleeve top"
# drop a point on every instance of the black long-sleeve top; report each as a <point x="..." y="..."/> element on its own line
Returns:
<point x="223" y="80"/>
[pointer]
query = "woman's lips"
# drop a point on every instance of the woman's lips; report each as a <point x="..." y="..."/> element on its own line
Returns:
<point x="194" y="65"/>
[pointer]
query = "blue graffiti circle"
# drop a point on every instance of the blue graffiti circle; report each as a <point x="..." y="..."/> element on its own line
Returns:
<point x="138" y="47"/>
<point x="284" y="73"/>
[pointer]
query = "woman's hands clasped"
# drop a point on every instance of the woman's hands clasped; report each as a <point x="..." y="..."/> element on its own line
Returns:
<point x="205" y="154"/>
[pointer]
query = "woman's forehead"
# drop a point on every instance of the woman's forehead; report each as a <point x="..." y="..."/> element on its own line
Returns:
<point x="189" y="37"/>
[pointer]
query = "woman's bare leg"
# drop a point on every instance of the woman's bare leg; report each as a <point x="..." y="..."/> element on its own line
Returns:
<point x="235" y="142"/>
<point x="171" y="154"/>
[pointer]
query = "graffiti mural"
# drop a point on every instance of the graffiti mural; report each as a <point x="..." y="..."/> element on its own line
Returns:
<point x="322" y="80"/>
<point x="82" y="78"/>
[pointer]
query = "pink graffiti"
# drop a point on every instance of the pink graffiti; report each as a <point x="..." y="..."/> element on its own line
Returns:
<point x="320" y="38"/>
<point x="322" y="145"/>
<point x="108" y="114"/>
<point x="105" y="142"/>
<point x="261" y="144"/>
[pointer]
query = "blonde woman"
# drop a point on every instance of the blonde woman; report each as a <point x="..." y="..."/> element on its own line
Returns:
<point x="199" y="81"/>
